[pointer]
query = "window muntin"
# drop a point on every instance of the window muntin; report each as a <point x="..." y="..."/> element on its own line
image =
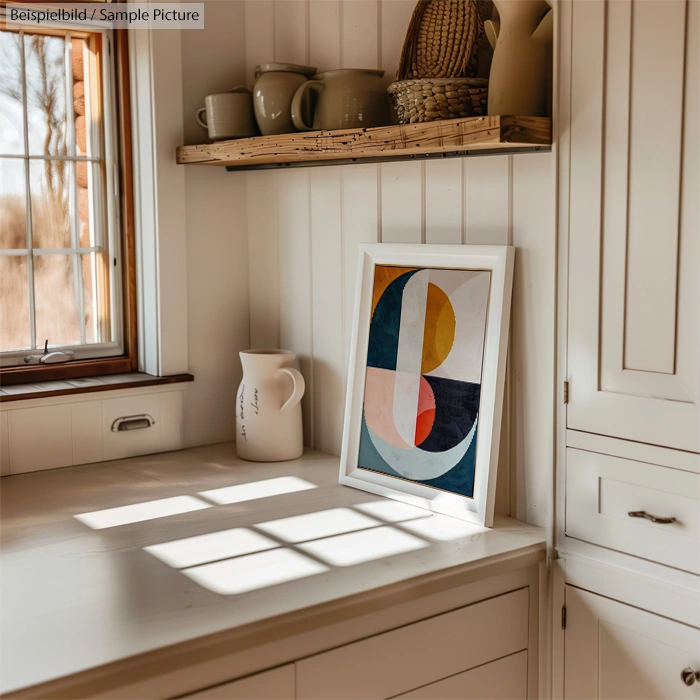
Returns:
<point x="60" y="267"/>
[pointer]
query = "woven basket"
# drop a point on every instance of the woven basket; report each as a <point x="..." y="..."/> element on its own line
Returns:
<point x="442" y="39"/>
<point x="429" y="99"/>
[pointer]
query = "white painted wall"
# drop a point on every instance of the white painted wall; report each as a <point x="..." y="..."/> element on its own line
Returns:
<point x="304" y="227"/>
<point x="213" y="60"/>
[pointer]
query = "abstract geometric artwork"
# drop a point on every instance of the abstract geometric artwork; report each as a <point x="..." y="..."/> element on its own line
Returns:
<point x="422" y="391"/>
<point x="426" y="375"/>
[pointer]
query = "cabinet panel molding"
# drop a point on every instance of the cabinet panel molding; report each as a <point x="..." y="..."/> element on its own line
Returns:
<point x="505" y="679"/>
<point x="276" y="684"/>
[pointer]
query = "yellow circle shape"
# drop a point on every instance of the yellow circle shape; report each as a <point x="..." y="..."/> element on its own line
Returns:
<point x="439" y="330"/>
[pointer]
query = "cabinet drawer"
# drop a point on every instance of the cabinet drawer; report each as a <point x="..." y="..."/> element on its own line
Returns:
<point x="410" y="657"/>
<point x="601" y="491"/>
<point x="505" y="679"/>
<point x="277" y="684"/>
<point x="618" y="652"/>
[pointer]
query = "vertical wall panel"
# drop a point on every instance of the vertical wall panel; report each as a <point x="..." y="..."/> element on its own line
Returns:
<point x="402" y="198"/>
<point x="294" y="230"/>
<point x="395" y="16"/>
<point x="53" y="449"/>
<point x="532" y="359"/>
<point x="4" y="445"/>
<point x="259" y="35"/>
<point x="359" y="226"/>
<point x="443" y="201"/>
<point x="86" y="421"/>
<point x="487" y="200"/>
<point x="360" y="40"/>
<point x="324" y="34"/>
<point x="262" y="259"/>
<point x="291" y="38"/>
<point x="327" y="293"/>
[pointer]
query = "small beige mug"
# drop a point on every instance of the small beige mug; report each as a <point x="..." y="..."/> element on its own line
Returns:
<point x="228" y="115"/>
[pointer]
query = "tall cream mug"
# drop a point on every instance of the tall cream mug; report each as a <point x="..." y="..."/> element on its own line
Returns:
<point x="228" y="115"/>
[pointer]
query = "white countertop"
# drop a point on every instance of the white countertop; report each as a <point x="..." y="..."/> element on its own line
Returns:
<point x="76" y="598"/>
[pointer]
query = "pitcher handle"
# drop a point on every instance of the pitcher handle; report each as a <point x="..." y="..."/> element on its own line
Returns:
<point x="296" y="109"/>
<point x="203" y="110"/>
<point x="299" y="387"/>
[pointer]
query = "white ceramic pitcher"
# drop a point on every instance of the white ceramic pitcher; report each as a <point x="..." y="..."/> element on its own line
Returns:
<point x="268" y="412"/>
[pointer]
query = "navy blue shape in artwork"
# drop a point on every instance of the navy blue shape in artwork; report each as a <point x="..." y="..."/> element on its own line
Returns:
<point x="456" y="407"/>
<point x="383" y="347"/>
<point x="460" y="479"/>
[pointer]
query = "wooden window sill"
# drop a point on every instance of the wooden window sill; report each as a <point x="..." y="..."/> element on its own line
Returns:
<point x="85" y="385"/>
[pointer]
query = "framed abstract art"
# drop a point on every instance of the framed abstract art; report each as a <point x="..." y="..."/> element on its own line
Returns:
<point x="426" y="377"/>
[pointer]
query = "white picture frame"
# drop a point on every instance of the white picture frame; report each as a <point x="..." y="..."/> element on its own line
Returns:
<point x="498" y="260"/>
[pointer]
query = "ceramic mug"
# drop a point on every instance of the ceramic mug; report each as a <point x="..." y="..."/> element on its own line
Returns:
<point x="349" y="98"/>
<point x="228" y="115"/>
<point x="275" y="86"/>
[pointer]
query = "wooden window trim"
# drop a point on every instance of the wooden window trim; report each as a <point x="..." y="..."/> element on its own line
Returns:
<point x="128" y="361"/>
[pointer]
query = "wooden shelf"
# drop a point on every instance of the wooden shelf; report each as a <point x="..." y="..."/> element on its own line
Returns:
<point x="453" y="137"/>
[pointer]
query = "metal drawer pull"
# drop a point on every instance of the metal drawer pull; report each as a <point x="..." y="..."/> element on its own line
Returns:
<point x="653" y="518"/>
<point x="139" y="422"/>
<point x="688" y="676"/>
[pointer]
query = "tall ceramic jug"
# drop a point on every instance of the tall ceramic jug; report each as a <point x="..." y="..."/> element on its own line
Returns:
<point x="268" y="412"/>
<point x="521" y="36"/>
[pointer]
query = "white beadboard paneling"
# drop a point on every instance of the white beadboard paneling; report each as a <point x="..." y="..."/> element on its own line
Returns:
<point x="41" y="438"/>
<point x="360" y="39"/>
<point x="443" y="201"/>
<point x="259" y="35"/>
<point x="218" y="309"/>
<point x="4" y="445"/>
<point x="395" y="16"/>
<point x="324" y="34"/>
<point x="327" y="320"/>
<point x="291" y="38"/>
<point x="171" y="420"/>
<point x="128" y="443"/>
<point x="262" y="259"/>
<point x="402" y="196"/>
<point x="86" y="421"/>
<point x="360" y="225"/>
<point x="533" y="315"/>
<point x="294" y="240"/>
<point x="487" y="200"/>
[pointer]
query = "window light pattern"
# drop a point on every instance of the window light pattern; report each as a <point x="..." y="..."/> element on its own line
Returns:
<point x="360" y="547"/>
<point x="392" y="511"/>
<point x="257" y="489"/>
<point x="138" y="512"/>
<point x="254" y="571"/>
<point x="442" y="528"/>
<point x="203" y="549"/>
<point x="313" y="526"/>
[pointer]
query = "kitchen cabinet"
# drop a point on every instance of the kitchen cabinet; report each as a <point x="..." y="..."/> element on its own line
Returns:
<point x="276" y="684"/>
<point x="634" y="294"/>
<point x="617" y="652"/>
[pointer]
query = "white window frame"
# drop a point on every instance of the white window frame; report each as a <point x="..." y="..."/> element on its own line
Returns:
<point x="101" y="210"/>
<point x="157" y="128"/>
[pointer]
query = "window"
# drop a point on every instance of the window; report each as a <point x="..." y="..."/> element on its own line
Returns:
<point x="64" y="261"/>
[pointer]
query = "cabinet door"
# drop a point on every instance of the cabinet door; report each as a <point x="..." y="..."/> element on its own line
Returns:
<point x="617" y="652"/>
<point x="633" y="349"/>
<point x="277" y="684"/>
